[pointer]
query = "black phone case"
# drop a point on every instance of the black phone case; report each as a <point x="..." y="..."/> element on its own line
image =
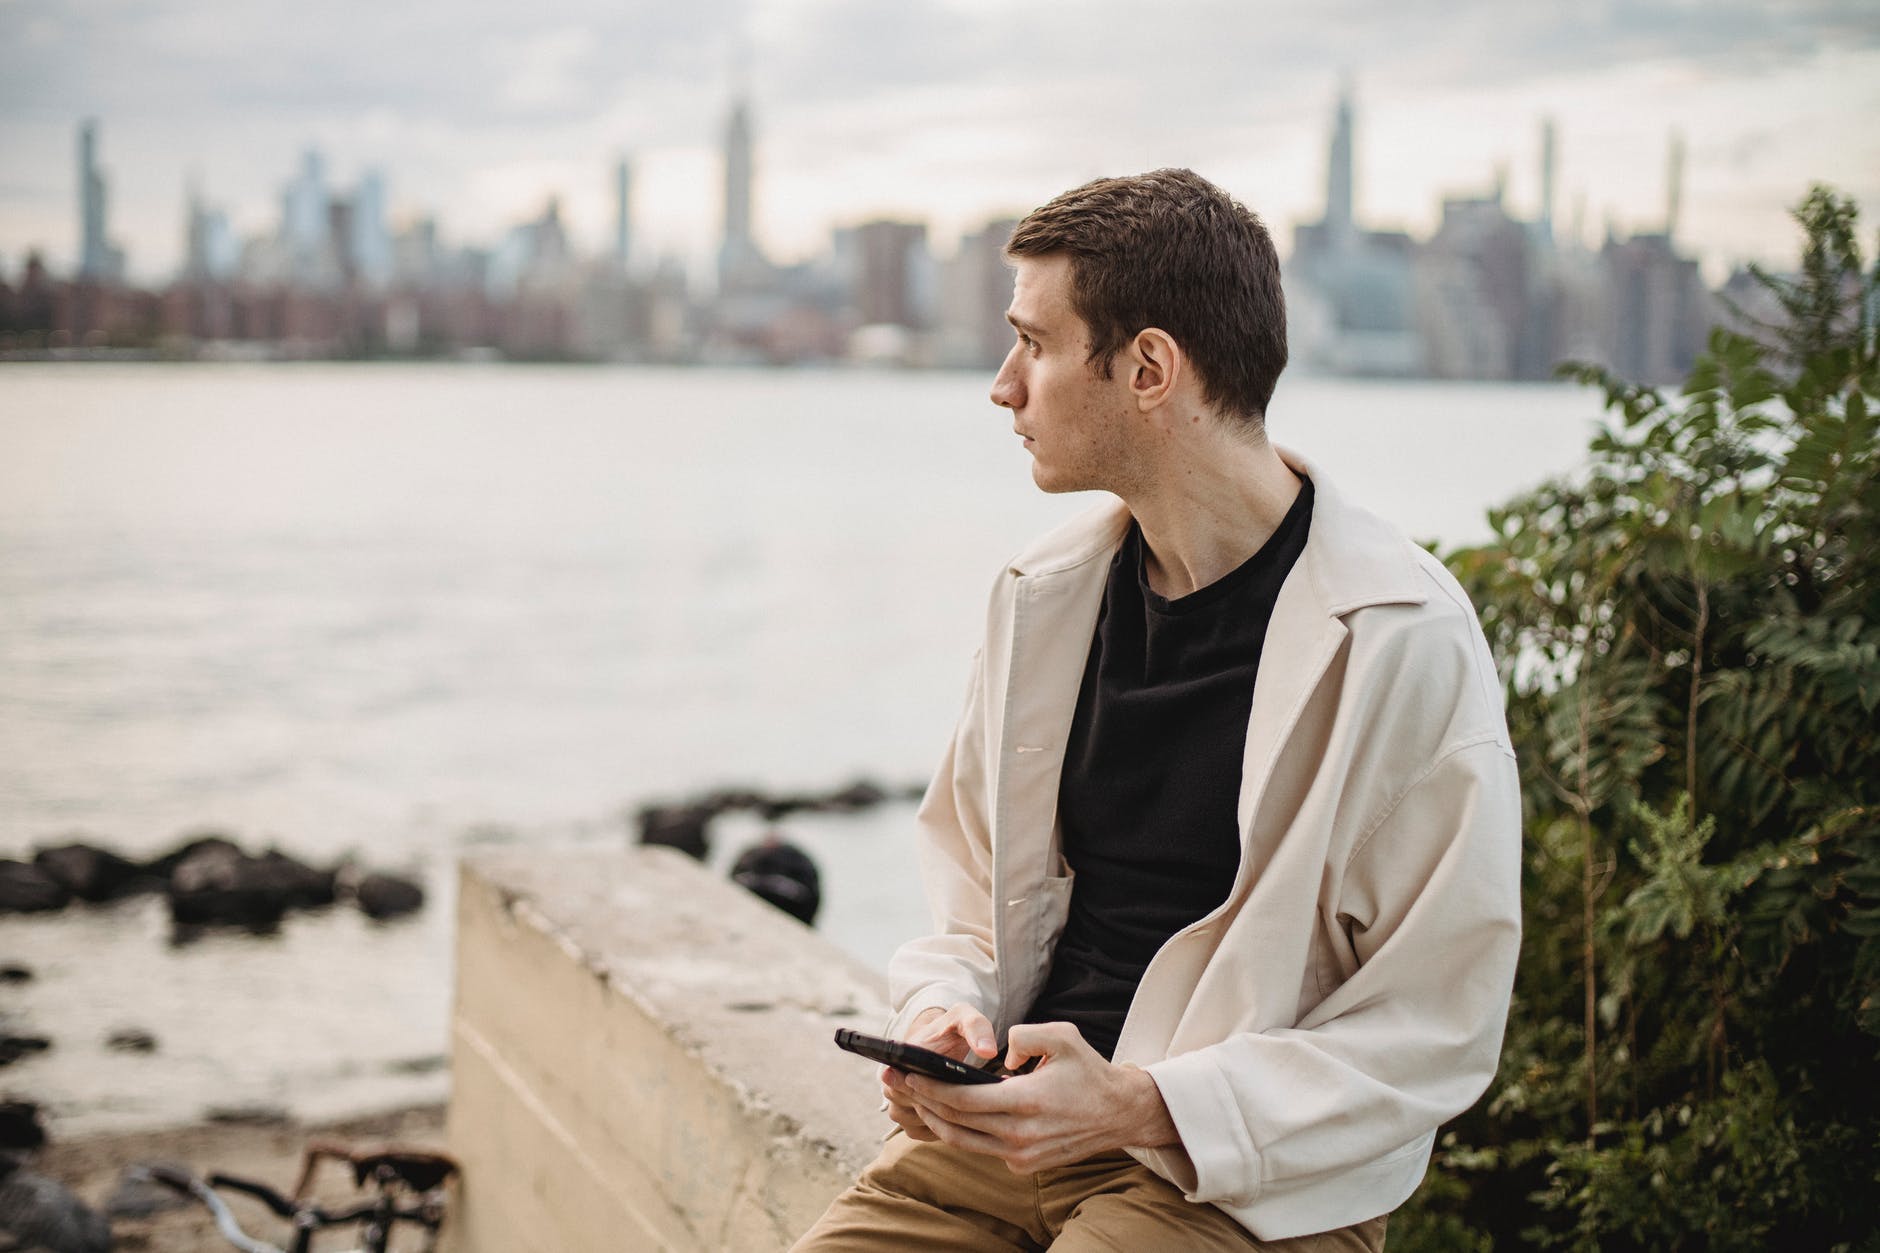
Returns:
<point x="911" y="1058"/>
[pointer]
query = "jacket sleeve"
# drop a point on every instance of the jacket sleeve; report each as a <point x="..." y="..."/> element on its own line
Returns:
<point x="1431" y="900"/>
<point x="955" y="963"/>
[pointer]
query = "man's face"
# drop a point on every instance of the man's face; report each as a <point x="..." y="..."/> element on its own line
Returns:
<point x="1076" y="423"/>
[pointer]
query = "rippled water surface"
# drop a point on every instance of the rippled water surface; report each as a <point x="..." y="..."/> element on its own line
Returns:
<point x="398" y="611"/>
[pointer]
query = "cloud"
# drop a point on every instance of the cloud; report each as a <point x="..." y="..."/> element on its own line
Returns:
<point x="473" y="61"/>
<point x="860" y="104"/>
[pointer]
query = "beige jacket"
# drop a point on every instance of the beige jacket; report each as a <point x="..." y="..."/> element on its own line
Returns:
<point x="1310" y="1034"/>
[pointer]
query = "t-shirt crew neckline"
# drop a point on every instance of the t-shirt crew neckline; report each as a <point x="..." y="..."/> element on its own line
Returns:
<point x="1296" y="518"/>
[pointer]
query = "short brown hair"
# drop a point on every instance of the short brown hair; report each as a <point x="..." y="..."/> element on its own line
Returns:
<point x="1169" y="249"/>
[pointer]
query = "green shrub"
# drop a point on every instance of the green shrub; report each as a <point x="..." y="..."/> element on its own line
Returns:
<point x="1689" y="633"/>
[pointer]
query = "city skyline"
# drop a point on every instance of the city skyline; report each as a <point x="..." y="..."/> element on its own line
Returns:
<point x="950" y="112"/>
<point x="1491" y="294"/>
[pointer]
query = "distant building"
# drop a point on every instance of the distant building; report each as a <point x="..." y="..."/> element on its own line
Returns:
<point x="1351" y="293"/>
<point x="741" y="263"/>
<point x="623" y="215"/>
<point x="534" y="258"/>
<point x="1657" y="311"/>
<point x="1339" y="175"/>
<point x="893" y="281"/>
<point x="211" y="253"/>
<point x="975" y="288"/>
<point x="416" y="255"/>
<point x="369" y="236"/>
<point x="312" y="251"/>
<point x="99" y="260"/>
<point x="1479" y="307"/>
<point x="1489" y="295"/>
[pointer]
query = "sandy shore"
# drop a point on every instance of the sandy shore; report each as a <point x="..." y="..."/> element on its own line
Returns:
<point x="269" y="1153"/>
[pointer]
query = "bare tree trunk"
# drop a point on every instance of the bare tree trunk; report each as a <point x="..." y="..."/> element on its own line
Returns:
<point x="1697" y="677"/>
<point x="1590" y="974"/>
<point x="1588" y="892"/>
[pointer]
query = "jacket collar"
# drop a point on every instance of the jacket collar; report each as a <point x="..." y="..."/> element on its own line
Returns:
<point x="1352" y="557"/>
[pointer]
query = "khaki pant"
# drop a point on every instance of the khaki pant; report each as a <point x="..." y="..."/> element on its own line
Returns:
<point x="920" y="1195"/>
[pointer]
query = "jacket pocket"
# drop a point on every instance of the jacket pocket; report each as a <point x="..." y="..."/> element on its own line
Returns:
<point x="1036" y="922"/>
<point x="1053" y="905"/>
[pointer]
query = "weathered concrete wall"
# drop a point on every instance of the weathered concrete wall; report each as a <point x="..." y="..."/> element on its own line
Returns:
<point x="642" y="1059"/>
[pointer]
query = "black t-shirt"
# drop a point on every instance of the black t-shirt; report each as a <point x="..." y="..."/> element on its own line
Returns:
<point x="1151" y="781"/>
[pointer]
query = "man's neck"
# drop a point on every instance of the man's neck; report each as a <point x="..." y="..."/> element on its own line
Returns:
<point x="1214" y="503"/>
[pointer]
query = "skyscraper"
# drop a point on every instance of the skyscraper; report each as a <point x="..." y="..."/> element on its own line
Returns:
<point x="1338" y="174"/>
<point x="97" y="258"/>
<point x="1549" y="164"/>
<point x="892" y="281"/>
<point x="1352" y="301"/>
<point x="740" y="264"/>
<point x="1674" y="184"/>
<point x="623" y="215"/>
<point x="306" y="224"/>
<point x="370" y="245"/>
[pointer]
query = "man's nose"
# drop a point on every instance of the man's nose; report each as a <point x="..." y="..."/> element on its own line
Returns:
<point x="1007" y="391"/>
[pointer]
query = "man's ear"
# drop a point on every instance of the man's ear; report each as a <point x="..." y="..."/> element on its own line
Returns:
<point x="1156" y="365"/>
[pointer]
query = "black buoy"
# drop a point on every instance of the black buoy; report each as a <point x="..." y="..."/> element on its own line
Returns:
<point x="782" y="874"/>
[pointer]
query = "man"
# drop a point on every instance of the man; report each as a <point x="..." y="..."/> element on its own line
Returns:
<point x="1226" y="847"/>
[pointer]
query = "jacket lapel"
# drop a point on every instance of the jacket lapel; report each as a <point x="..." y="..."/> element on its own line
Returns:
<point x="1352" y="559"/>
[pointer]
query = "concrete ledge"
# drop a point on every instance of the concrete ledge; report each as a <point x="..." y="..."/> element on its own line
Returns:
<point x="641" y="1059"/>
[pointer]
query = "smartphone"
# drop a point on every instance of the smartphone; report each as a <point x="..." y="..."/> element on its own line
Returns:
<point x="912" y="1058"/>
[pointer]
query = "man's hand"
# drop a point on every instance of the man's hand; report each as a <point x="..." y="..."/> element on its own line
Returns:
<point x="962" y="1033"/>
<point x="1073" y="1105"/>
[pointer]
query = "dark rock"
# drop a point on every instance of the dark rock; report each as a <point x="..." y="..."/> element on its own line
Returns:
<point x="26" y="889"/>
<point x="385" y="896"/>
<point x="139" y="1196"/>
<point x="41" y="1213"/>
<point x="782" y="806"/>
<point x="218" y="884"/>
<point x="305" y="887"/>
<point x="428" y="1064"/>
<point x="729" y="799"/>
<point x="165" y="866"/>
<point x="247" y="1115"/>
<point x="684" y="827"/>
<point x="861" y="794"/>
<point x="131" y="1040"/>
<point x="16" y="974"/>
<point x="90" y="873"/>
<point x="13" y="1047"/>
<point x="20" y="1127"/>
<point x="782" y="874"/>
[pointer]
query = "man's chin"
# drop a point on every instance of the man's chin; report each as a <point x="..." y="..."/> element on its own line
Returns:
<point x="1052" y="484"/>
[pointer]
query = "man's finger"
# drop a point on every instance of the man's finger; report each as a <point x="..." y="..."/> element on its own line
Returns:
<point x="962" y="1137"/>
<point x="993" y="1124"/>
<point x="961" y="1025"/>
<point x="1040" y="1039"/>
<point x="975" y="1029"/>
<point x="963" y="1098"/>
<point x="915" y="1129"/>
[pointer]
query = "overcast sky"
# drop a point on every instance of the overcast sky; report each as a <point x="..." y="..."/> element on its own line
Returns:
<point x="949" y="110"/>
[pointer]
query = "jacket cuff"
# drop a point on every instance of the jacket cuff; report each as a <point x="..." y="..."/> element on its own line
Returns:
<point x="918" y="1004"/>
<point x="1202" y="1105"/>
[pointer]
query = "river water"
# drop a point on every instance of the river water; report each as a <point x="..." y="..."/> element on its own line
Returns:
<point x="401" y="611"/>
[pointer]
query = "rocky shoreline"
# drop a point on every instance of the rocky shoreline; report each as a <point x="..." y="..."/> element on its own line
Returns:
<point x="92" y="1168"/>
<point x="208" y="879"/>
<point x="200" y="900"/>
